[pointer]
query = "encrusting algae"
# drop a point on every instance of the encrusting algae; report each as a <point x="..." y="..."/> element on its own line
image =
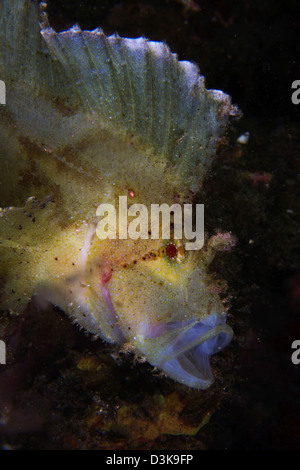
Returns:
<point x="87" y="119"/>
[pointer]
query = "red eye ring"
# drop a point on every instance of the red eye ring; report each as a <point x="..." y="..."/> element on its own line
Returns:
<point x="171" y="251"/>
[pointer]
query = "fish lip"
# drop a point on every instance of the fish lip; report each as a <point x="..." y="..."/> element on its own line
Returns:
<point x="117" y="335"/>
<point x="187" y="358"/>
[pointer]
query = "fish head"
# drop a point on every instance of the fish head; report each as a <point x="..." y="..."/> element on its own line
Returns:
<point x="89" y="118"/>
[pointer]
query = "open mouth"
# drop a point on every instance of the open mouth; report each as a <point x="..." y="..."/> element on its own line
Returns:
<point x="187" y="359"/>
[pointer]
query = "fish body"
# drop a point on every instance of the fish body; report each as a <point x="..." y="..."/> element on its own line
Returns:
<point x="87" y="119"/>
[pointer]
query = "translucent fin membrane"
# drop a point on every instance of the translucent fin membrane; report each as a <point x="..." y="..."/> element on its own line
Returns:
<point x="141" y="86"/>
